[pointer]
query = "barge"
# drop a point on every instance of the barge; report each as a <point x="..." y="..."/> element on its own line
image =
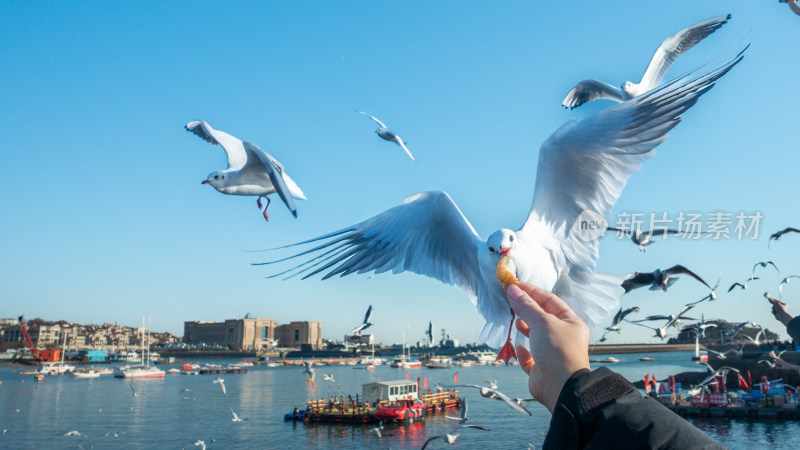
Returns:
<point x="391" y="401"/>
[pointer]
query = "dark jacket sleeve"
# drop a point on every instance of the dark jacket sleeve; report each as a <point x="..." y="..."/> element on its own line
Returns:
<point x="601" y="409"/>
<point x="793" y="328"/>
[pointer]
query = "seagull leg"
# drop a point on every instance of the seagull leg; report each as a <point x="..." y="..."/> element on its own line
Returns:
<point x="258" y="202"/>
<point x="507" y="352"/>
<point x="266" y="216"/>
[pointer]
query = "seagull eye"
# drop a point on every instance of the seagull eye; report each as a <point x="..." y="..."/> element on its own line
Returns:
<point x="511" y="238"/>
<point x="491" y="249"/>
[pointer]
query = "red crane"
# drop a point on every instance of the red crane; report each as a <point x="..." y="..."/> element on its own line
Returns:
<point x="41" y="355"/>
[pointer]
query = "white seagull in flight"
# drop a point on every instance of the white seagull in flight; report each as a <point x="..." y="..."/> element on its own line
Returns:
<point x="583" y="167"/>
<point x="663" y="58"/>
<point x="251" y="171"/>
<point x="384" y="133"/>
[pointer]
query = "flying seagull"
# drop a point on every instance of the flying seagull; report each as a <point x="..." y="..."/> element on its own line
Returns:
<point x="365" y="324"/>
<point x="429" y="332"/>
<point x="251" y="171"/>
<point x="582" y="169"/>
<point x="74" y="433"/>
<point x="742" y="286"/>
<point x="792" y="5"/>
<point x="671" y="321"/>
<point x="777" y="235"/>
<point x="642" y="239"/>
<point x="384" y="133"/>
<point x="463" y="418"/>
<point x="236" y="417"/>
<point x="658" y="279"/>
<point x="221" y="384"/>
<point x="785" y="281"/>
<point x="619" y="316"/>
<point x="711" y="295"/>
<point x="663" y="58"/>
<point x="723" y="371"/>
<point x="738" y="328"/>
<point x="449" y="438"/>
<point x="494" y="394"/>
<point x="763" y="264"/>
<point x="309" y="370"/>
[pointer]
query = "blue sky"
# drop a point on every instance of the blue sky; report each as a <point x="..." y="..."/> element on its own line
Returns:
<point x="104" y="217"/>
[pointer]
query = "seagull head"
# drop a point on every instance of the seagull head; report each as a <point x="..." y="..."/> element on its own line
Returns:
<point x="216" y="179"/>
<point x="501" y="242"/>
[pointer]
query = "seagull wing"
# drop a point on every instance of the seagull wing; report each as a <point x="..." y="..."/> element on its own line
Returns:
<point x="734" y="285"/>
<point x="620" y="230"/>
<point x="590" y="90"/>
<point x="402" y="144"/>
<point x="233" y="147"/>
<point x="475" y="426"/>
<point x="425" y="445"/>
<point x="677" y="44"/>
<point x="368" y="315"/>
<point x="679" y="269"/>
<point x="652" y="233"/>
<point x="427" y="235"/>
<point x="637" y="280"/>
<point x="514" y="405"/>
<point x="585" y="164"/>
<point x="274" y="171"/>
<point x="375" y="119"/>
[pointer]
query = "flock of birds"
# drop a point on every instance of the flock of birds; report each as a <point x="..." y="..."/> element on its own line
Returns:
<point x="583" y="166"/>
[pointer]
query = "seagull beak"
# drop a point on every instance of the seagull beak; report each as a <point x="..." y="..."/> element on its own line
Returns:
<point x="206" y="182"/>
<point x="505" y="250"/>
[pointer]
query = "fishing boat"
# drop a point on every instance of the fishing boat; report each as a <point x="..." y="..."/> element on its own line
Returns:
<point x="438" y="362"/>
<point x="647" y="358"/>
<point x="86" y="373"/>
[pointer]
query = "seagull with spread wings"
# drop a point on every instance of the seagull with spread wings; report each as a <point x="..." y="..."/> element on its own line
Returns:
<point x="785" y="281"/>
<point x="663" y="58"/>
<point x="641" y="238"/>
<point x="384" y="133"/>
<point x="658" y="279"/>
<point x="777" y="235"/>
<point x="583" y="167"/>
<point x="671" y="321"/>
<point x="365" y="324"/>
<point x="763" y="264"/>
<point x="251" y="171"/>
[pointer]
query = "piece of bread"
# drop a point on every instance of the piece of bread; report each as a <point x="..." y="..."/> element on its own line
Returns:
<point x="506" y="272"/>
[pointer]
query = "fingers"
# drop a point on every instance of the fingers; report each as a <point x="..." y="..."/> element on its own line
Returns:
<point x="548" y="301"/>
<point x="523" y="328"/>
<point x="524" y="306"/>
<point x="525" y="359"/>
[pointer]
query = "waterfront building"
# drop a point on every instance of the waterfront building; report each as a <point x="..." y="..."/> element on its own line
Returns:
<point x="252" y="334"/>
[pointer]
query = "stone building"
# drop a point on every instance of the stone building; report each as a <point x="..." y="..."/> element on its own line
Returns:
<point x="296" y="334"/>
<point x="234" y="334"/>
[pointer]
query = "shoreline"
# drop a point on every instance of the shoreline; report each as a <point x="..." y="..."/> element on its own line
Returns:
<point x="638" y="348"/>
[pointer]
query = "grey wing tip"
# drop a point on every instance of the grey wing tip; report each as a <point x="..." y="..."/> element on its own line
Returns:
<point x="294" y="213"/>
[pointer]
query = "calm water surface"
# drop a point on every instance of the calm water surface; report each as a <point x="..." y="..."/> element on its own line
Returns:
<point x="164" y="415"/>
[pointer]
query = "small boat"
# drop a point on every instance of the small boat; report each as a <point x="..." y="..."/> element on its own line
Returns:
<point x="608" y="360"/>
<point x="173" y="370"/>
<point x="462" y="363"/>
<point x="86" y="373"/>
<point x="647" y="358"/>
<point x="497" y="363"/>
<point x="273" y="364"/>
<point x="38" y="377"/>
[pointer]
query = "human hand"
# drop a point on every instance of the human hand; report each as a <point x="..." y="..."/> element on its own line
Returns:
<point x="559" y="341"/>
<point x="781" y="364"/>
<point x="780" y="310"/>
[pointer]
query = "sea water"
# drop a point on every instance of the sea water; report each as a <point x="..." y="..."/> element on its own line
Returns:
<point x="179" y="410"/>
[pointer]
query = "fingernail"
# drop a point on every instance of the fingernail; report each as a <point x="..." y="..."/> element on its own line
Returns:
<point x="514" y="292"/>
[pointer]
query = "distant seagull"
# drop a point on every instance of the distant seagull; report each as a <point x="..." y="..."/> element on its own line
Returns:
<point x="328" y="378"/>
<point x="492" y="383"/>
<point x="273" y="342"/>
<point x="663" y="58"/>
<point x="377" y="430"/>
<point x="200" y="444"/>
<point x="384" y="133"/>
<point x="718" y="355"/>
<point x="742" y="286"/>
<point x="776" y="236"/>
<point x="251" y="171"/>
<point x="309" y="370"/>
<point x="643" y="239"/>
<point x="236" y="417"/>
<point x="74" y="433"/>
<point x="583" y="167"/>
<point x="494" y="394"/>
<point x="738" y="329"/>
<point x="221" y="383"/>
<point x="449" y="438"/>
<point x="709" y="379"/>
<point x="785" y="281"/>
<point x="768" y="363"/>
<point x="463" y="418"/>
<point x="619" y="316"/>
<point x="658" y="279"/>
<point x="133" y="391"/>
<point x="365" y="324"/>
<point x="429" y="332"/>
<point x="523" y="401"/>
<point x="711" y="295"/>
<point x="764" y="264"/>
<point x="4" y="432"/>
<point x="672" y="320"/>
<point x="701" y="327"/>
